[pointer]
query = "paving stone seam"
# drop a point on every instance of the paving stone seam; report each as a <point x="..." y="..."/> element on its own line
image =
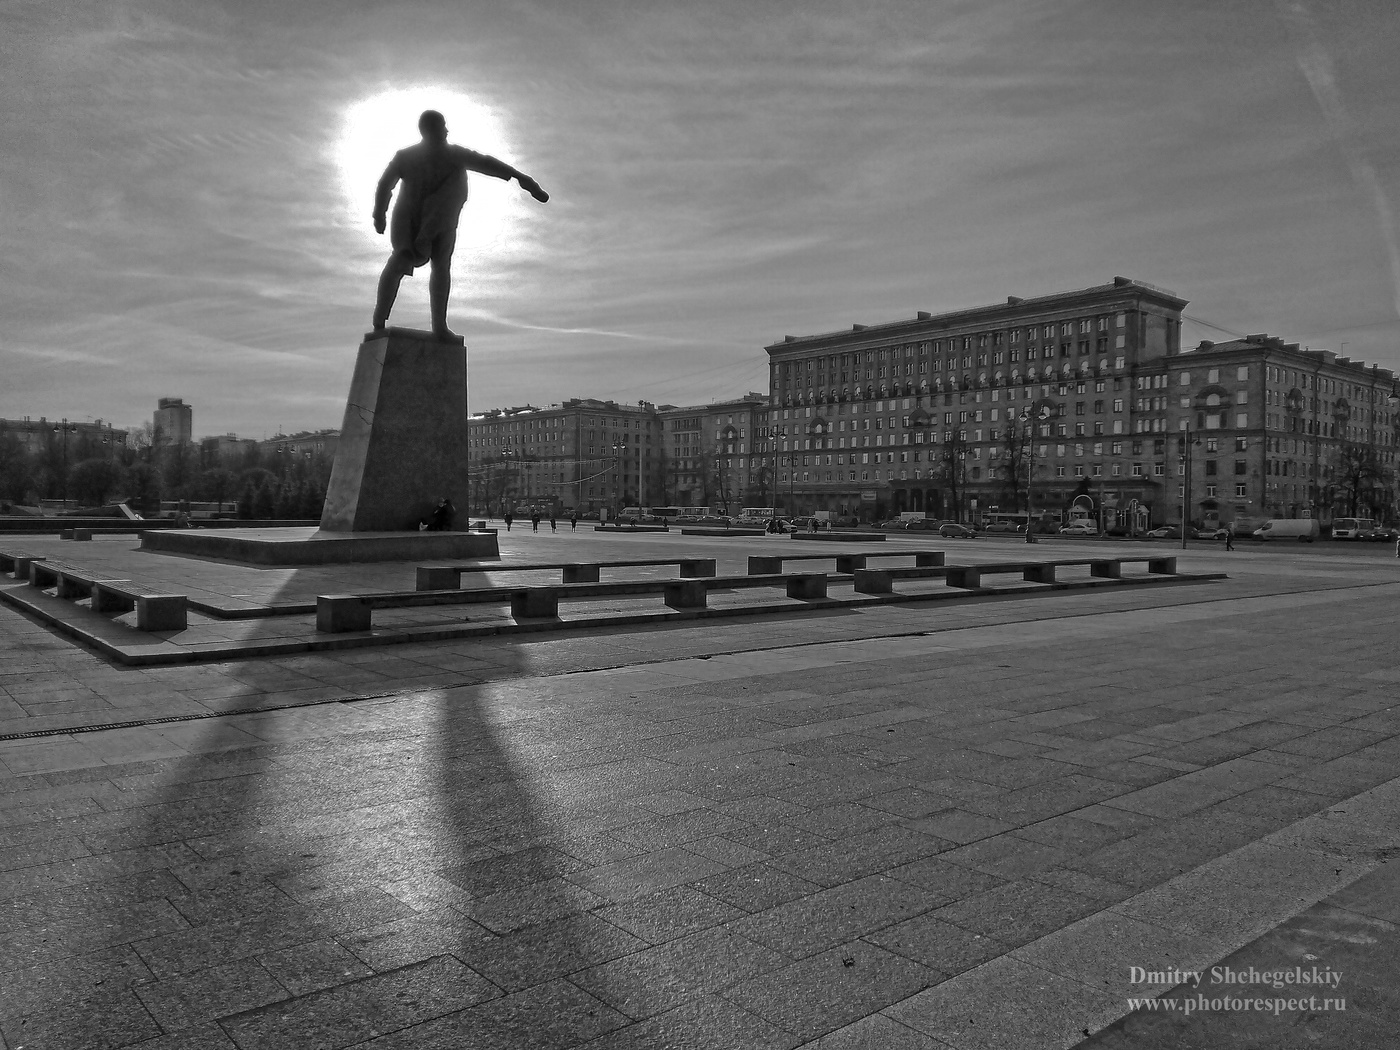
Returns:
<point x="1094" y="1009"/>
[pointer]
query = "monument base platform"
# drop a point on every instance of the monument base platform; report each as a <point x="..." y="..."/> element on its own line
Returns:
<point x="309" y="546"/>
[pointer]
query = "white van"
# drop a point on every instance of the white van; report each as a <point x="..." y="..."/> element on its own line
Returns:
<point x="1299" y="529"/>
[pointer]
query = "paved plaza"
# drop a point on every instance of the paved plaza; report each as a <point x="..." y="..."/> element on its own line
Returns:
<point x="976" y="824"/>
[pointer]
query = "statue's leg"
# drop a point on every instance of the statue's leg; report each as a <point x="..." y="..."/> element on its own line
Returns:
<point x="440" y="281"/>
<point x="395" y="270"/>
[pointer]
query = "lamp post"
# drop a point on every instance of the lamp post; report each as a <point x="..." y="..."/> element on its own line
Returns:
<point x="618" y="450"/>
<point x="1034" y="413"/>
<point x="1186" y="442"/>
<point x="508" y="468"/>
<point x="65" y="428"/>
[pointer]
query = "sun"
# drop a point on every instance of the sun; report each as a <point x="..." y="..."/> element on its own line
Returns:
<point x="374" y="128"/>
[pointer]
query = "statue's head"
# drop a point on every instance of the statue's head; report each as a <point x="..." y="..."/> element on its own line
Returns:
<point x="432" y="125"/>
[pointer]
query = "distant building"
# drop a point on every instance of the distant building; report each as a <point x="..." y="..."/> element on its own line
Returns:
<point x="225" y="450"/>
<point x="1276" y="431"/>
<point x="582" y="454"/>
<point x="174" y="422"/>
<point x="713" y="455"/>
<point x="308" y="445"/>
<point x="84" y="440"/>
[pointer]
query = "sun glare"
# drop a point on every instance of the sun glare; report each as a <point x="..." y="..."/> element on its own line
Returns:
<point x="375" y="128"/>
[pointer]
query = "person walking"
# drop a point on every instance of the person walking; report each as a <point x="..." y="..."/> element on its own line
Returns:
<point x="573" y="521"/>
<point x="1230" y="536"/>
<point x="535" y="521"/>
<point x="509" y="518"/>
<point x="553" y="525"/>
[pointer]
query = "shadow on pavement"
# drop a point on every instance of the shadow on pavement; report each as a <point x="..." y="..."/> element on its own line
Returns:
<point x="376" y="873"/>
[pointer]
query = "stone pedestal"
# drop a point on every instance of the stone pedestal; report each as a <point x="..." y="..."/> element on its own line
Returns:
<point x="403" y="445"/>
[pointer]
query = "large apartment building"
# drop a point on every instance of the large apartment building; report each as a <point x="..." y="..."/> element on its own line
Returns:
<point x="946" y="413"/>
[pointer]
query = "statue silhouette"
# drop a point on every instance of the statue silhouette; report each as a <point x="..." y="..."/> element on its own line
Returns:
<point x="424" y="227"/>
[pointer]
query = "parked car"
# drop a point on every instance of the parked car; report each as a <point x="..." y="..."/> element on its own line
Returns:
<point x="922" y="525"/>
<point x="953" y="531"/>
<point x="1001" y="526"/>
<point x="1172" y="532"/>
<point x="1079" y="528"/>
<point x="1383" y="534"/>
<point x="890" y="524"/>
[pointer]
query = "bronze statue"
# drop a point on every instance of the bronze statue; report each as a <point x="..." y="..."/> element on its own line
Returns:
<point x="434" y="177"/>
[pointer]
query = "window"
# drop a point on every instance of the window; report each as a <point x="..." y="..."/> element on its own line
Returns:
<point x="1242" y="490"/>
<point x="1210" y="490"/>
<point x="1241" y="467"/>
<point x="1242" y="373"/>
<point x="1210" y="466"/>
<point x="1241" y="420"/>
<point x="1184" y="379"/>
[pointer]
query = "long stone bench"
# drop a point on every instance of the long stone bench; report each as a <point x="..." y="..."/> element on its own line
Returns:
<point x="846" y="562"/>
<point x="155" y="610"/>
<point x="354" y="612"/>
<point x="447" y="577"/>
<point x="1044" y="572"/>
<point x="881" y="581"/>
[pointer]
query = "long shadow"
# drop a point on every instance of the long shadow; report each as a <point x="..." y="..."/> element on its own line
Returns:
<point x="380" y="872"/>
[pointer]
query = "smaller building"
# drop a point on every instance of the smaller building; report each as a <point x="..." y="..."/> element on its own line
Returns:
<point x="716" y="455"/>
<point x="582" y="454"/>
<point x="174" y="422"/>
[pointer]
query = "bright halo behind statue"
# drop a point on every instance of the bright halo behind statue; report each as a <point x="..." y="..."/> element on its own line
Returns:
<point x="375" y="128"/>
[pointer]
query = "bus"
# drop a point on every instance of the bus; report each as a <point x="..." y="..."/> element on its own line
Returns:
<point x="1353" y="528"/>
<point x="764" y="514"/>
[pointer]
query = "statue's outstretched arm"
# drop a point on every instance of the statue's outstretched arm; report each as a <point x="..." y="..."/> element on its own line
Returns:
<point x="499" y="169"/>
<point x="383" y="192"/>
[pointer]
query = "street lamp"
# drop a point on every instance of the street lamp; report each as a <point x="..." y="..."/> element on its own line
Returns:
<point x="1186" y="442"/>
<point x="618" y="451"/>
<point x="508" y="456"/>
<point x="65" y="428"/>
<point x="1036" y="412"/>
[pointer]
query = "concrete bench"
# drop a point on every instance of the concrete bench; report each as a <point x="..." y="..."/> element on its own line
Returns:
<point x="155" y="611"/>
<point x="337" y="613"/>
<point x="17" y="562"/>
<point x="75" y="534"/>
<point x="846" y="562"/>
<point x="448" y="577"/>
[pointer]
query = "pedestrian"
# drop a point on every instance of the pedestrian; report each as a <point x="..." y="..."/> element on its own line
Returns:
<point x="509" y="519"/>
<point x="1230" y="536"/>
<point x="553" y="526"/>
<point x="573" y="520"/>
<point x="535" y="521"/>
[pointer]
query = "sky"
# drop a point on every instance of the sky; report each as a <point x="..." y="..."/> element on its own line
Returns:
<point x="186" y="187"/>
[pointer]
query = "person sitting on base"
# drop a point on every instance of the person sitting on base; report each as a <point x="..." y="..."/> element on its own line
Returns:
<point x="424" y="228"/>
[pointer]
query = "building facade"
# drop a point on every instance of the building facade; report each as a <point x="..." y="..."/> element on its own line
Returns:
<point x="1265" y="429"/>
<point x="1017" y="407"/>
<point x="715" y="456"/>
<point x="94" y="440"/>
<point x="174" y="422"/>
<point x="583" y="454"/>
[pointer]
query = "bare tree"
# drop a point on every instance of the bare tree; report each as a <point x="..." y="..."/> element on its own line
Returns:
<point x="1359" y="473"/>
<point x="1014" y="464"/>
<point x="950" y="471"/>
